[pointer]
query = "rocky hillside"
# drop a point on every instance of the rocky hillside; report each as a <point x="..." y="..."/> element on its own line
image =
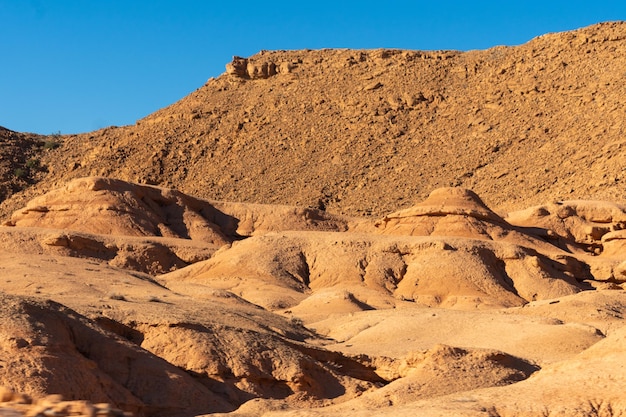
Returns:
<point x="20" y="160"/>
<point x="372" y="131"/>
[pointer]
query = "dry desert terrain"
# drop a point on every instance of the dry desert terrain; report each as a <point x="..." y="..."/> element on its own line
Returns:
<point x="331" y="232"/>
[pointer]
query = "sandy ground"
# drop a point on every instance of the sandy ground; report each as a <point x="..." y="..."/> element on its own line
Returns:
<point x="157" y="303"/>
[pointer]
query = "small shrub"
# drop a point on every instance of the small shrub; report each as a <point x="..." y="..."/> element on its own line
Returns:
<point x="116" y="296"/>
<point x="20" y="173"/>
<point x="297" y="321"/>
<point x="33" y="163"/>
<point x="53" y="141"/>
<point x="51" y="144"/>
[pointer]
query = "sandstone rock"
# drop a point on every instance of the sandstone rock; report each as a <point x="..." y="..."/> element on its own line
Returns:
<point x="253" y="69"/>
<point x="619" y="273"/>
<point x="261" y="70"/>
<point x="68" y="354"/>
<point x="586" y="224"/>
<point x="286" y="67"/>
<point x="614" y="243"/>
<point x="238" y="67"/>
<point x="447" y="212"/>
<point x="105" y="206"/>
<point x="431" y="271"/>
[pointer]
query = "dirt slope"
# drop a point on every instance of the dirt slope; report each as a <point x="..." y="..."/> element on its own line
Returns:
<point x="362" y="132"/>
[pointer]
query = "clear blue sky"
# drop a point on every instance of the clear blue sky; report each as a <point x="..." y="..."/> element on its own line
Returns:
<point x="79" y="65"/>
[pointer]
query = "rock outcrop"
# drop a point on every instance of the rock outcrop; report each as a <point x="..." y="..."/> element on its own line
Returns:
<point x="257" y="67"/>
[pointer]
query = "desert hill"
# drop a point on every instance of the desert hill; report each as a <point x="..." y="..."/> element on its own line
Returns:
<point x="133" y="298"/>
<point x="373" y="131"/>
<point x="19" y="160"/>
<point x="329" y="232"/>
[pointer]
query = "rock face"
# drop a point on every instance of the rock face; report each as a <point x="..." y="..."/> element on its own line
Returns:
<point x="105" y="206"/>
<point x="50" y="349"/>
<point x="446" y="212"/>
<point x="256" y="67"/>
<point x="576" y="222"/>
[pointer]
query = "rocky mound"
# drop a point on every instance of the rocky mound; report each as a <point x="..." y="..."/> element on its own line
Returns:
<point x="596" y="375"/>
<point x="114" y="207"/>
<point x="441" y="252"/>
<point x="138" y="340"/>
<point x="582" y="223"/>
<point x="594" y="227"/>
<point x="455" y="212"/>
<point x="105" y="206"/>
<point x="437" y="272"/>
<point x="443" y="370"/>
<point x="145" y="228"/>
<point x="438" y="371"/>
<point x="380" y="298"/>
<point x="58" y="351"/>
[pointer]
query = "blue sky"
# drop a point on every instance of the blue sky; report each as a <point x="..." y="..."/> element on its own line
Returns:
<point x="80" y="65"/>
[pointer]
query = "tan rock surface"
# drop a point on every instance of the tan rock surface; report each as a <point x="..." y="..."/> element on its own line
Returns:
<point x="186" y="332"/>
<point x="489" y="280"/>
<point x="588" y="384"/>
<point x="430" y="271"/>
<point x="49" y="349"/>
<point x="446" y="297"/>
<point x="105" y="206"/>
